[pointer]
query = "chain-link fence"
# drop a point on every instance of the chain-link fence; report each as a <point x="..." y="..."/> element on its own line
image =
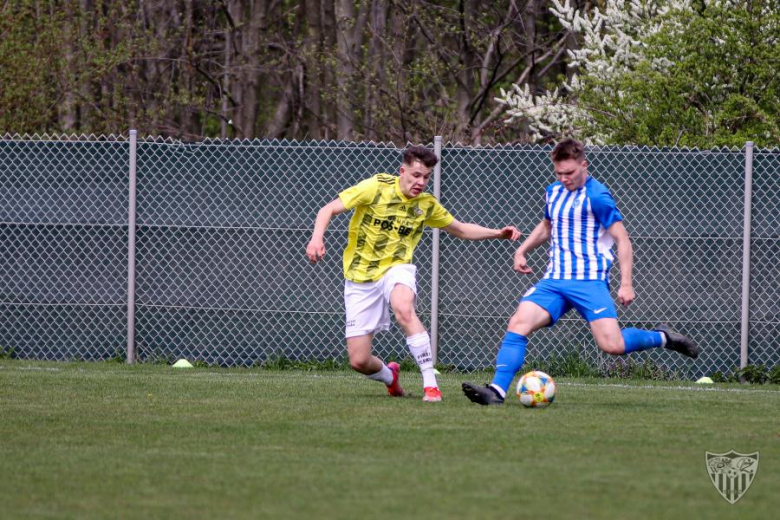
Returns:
<point x="221" y="229"/>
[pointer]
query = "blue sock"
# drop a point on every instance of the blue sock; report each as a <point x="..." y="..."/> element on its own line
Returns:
<point x="510" y="359"/>
<point x="636" y="340"/>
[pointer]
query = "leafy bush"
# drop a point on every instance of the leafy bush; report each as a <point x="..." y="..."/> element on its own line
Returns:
<point x="753" y="374"/>
<point x="337" y="364"/>
<point x="282" y="362"/>
<point x="774" y="375"/>
<point x="627" y="368"/>
<point x="120" y="356"/>
<point x="571" y="364"/>
<point x="158" y="357"/>
<point x="719" y="377"/>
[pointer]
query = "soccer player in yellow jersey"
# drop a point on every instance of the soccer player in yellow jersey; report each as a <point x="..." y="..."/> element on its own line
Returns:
<point x="390" y="214"/>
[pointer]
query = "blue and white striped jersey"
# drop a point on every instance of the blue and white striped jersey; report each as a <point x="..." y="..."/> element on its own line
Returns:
<point x="580" y="248"/>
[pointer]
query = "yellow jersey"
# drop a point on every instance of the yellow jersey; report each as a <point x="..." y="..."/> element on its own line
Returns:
<point x="386" y="226"/>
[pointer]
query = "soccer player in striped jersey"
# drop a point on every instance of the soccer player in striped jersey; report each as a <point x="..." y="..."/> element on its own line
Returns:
<point x="390" y="214"/>
<point x="581" y="224"/>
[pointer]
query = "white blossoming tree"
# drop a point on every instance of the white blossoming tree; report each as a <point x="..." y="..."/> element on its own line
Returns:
<point x="665" y="73"/>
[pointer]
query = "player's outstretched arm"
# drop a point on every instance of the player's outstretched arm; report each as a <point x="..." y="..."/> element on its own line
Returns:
<point x="625" y="256"/>
<point x="316" y="248"/>
<point x="540" y="235"/>
<point x="468" y="231"/>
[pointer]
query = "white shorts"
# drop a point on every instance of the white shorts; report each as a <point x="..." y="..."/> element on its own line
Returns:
<point x="368" y="304"/>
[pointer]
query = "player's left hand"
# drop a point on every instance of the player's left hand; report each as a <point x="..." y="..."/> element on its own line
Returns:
<point x="315" y="250"/>
<point x="626" y="295"/>
<point x="509" y="233"/>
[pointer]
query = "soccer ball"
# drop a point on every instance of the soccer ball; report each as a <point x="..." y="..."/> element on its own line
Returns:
<point x="536" y="389"/>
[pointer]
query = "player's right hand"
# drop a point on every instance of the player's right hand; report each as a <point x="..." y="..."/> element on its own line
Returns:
<point x="521" y="264"/>
<point x="315" y="250"/>
<point x="510" y="233"/>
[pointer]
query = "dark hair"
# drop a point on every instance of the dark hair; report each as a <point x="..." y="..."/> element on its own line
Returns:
<point x="568" y="149"/>
<point x="422" y="154"/>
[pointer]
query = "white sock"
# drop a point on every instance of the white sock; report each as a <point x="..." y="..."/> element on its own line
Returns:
<point x="498" y="389"/>
<point x="420" y="347"/>
<point x="385" y="375"/>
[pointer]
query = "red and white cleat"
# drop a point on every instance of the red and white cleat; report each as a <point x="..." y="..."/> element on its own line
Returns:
<point x="431" y="394"/>
<point x="394" y="389"/>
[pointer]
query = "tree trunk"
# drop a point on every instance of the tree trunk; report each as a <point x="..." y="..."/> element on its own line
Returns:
<point x="376" y="61"/>
<point x="328" y="112"/>
<point x="529" y="23"/>
<point x="349" y="37"/>
<point x="465" y="75"/>
<point x="312" y="57"/>
<point x="225" y="92"/>
<point x="153" y="72"/>
<point x="248" y="16"/>
<point x="187" y="80"/>
<point x="66" y="110"/>
<point x="283" y="112"/>
<point x="402" y="34"/>
<point x="288" y="115"/>
<point x="345" y="24"/>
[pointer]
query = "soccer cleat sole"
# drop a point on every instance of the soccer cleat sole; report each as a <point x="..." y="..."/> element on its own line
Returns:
<point x="679" y="343"/>
<point x="480" y="395"/>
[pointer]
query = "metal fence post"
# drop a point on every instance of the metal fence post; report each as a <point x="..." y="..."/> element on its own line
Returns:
<point x="131" y="249"/>
<point x="745" y="331"/>
<point x="435" y="256"/>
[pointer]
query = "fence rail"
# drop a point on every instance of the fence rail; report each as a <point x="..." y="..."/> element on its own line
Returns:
<point x="142" y="248"/>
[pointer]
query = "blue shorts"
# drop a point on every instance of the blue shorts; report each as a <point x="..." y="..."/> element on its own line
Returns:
<point x="591" y="298"/>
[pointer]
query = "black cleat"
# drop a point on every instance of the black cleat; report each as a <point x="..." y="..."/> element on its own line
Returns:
<point x="679" y="343"/>
<point x="483" y="395"/>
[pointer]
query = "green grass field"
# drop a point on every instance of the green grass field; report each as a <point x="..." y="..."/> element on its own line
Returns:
<point x="105" y="440"/>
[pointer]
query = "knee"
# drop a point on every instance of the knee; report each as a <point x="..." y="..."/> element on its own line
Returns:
<point x="404" y="314"/>
<point x="515" y="322"/>
<point x="520" y="325"/>
<point x="359" y="362"/>
<point x="612" y="345"/>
